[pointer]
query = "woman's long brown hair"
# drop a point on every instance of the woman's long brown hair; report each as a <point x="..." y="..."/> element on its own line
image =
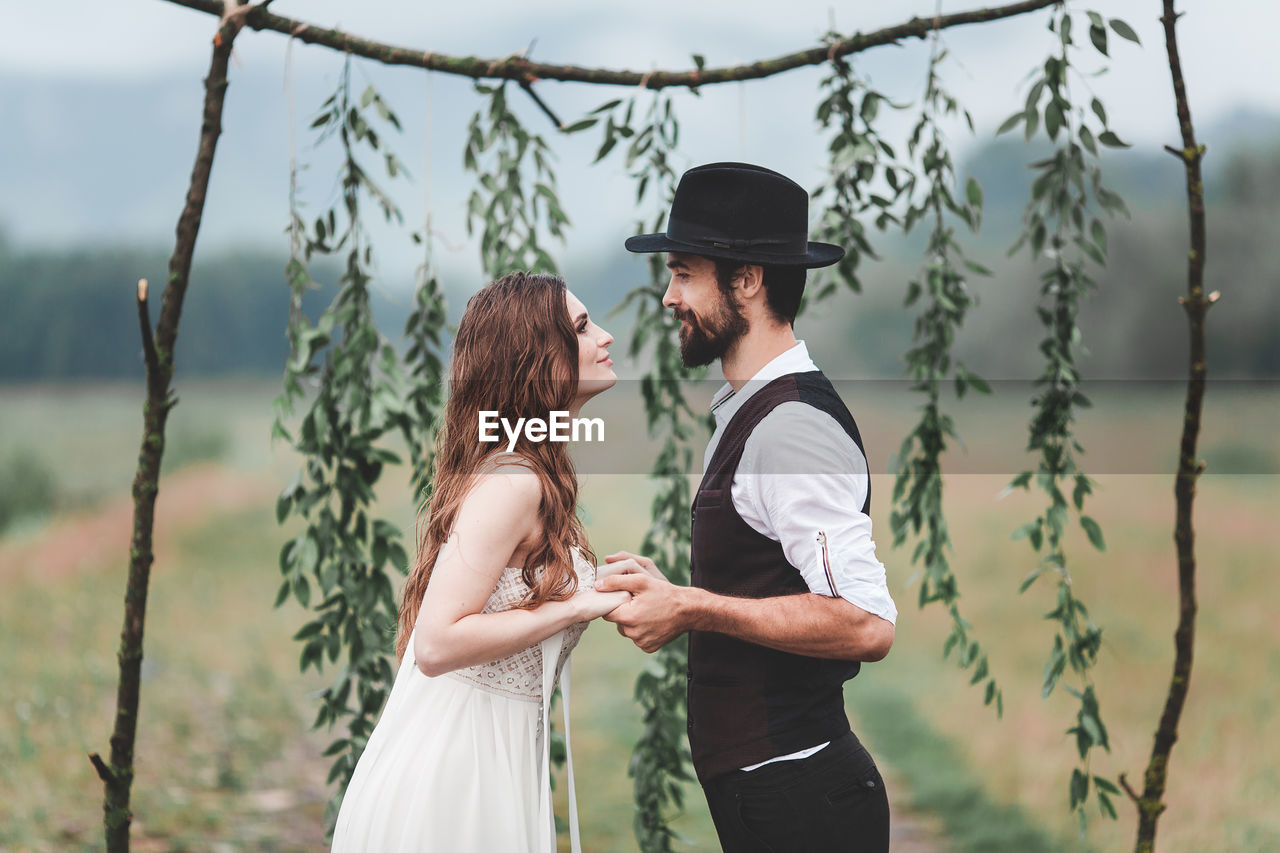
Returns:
<point x="516" y="353"/>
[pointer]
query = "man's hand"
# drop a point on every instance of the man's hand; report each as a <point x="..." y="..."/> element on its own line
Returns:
<point x="805" y="624"/>
<point x="656" y="613"/>
<point x="644" y="563"/>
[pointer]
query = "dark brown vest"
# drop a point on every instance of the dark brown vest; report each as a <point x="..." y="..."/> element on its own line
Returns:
<point x="749" y="703"/>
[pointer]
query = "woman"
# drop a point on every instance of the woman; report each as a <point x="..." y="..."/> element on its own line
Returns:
<point x="500" y="594"/>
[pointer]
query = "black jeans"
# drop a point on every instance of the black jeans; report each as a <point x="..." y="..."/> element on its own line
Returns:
<point x="834" y="800"/>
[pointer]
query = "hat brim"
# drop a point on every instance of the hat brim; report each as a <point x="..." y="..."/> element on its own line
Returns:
<point x="818" y="254"/>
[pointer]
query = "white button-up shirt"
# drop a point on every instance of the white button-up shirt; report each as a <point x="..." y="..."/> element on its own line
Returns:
<point x="802" y="482"/>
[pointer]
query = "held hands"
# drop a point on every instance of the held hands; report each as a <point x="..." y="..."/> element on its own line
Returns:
<point x="602" y="601"/>
<point x="592" y="603"/>
<point x="657" y="611"/>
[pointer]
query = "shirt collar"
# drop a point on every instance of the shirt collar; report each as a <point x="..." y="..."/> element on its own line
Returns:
<point x="726" y="401"/>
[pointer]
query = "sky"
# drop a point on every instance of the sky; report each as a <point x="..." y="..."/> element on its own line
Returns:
<point x="1227" y="55"/>
<point x="140" y="61"/>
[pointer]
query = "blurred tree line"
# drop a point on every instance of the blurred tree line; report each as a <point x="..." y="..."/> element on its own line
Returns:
<point x="69" y="314"/>
<point x="1134" y="325"/>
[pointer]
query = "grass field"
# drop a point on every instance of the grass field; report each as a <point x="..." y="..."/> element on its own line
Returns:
<point x="225" y="761"/>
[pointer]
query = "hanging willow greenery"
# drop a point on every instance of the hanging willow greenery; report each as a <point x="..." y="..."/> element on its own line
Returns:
<point x="348" y="391"/>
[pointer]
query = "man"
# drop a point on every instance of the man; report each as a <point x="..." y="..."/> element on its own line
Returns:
<point x="787" y="595"/>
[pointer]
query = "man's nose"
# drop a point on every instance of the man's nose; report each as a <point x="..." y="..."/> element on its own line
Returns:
<point x="670" y="299"/>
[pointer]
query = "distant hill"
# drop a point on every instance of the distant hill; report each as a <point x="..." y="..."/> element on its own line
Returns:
<point x="69" y="313"/>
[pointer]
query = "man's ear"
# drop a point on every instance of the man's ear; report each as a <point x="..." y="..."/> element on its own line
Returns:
<point x="752" y="276"/>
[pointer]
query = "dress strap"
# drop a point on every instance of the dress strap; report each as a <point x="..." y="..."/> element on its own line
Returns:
<point x="568" y="752"/>
<point x="551" y="648"/>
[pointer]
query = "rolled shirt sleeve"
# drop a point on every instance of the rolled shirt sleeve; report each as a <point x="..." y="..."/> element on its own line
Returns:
<point x="802" y="482"/>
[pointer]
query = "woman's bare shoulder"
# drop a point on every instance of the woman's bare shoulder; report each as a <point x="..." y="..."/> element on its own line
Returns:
<point x="508" y="494"/>
<point x="508" y="473"/>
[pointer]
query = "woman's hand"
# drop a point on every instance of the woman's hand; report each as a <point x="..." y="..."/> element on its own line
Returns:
<point x="592" y="604"/>
<point x="624" y="562"/>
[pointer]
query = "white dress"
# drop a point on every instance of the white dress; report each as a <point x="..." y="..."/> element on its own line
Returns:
<point x="459" y="762"/>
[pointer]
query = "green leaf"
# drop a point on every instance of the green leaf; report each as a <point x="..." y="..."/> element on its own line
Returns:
<point x="278" y="431"/>
<point x="980" y="671"/>
<point x="1079" y="787"/>
<point x="1124" y="30"/>
<point x="1081" y="490"/>
<point x="309" y="630"/>
<point x="311" y="654"/>
<point x="1090" y="724"/>
<point x="1029" y="580"/>
<point x="1105" y="805"/>
<point x="1099" y="235"/>
<point x="308" y="553"/>
<point x="1109" y="139"/>
<point x="385" y="529"/>
<point x="1033" y="124"/>
<point x="1011" y="122"/>
<point x="1094" y="532"/>
<point x="1086" y="139"/>
<point x="1105" y="785"/>
<point x="302" y="590"/>
<point x="283" y="504"/>
<point x="870" y="108"/>
<point x="973" y="190"/>
<point x="1033" y="96"/>
<point x="398" y="557"/>
<point x="1026" y="530"/>
<point x="1098" y="36"/>
<point x="1099" y="111"/>
<point x="605" y="148"/>
<point x="606" y="106"/>
<point x="580" y="125"/>
<point x="1052" y="119"/>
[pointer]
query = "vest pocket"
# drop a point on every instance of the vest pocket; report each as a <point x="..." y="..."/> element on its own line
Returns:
<point x="706" y="500"/>
<point x="709" y="498"/>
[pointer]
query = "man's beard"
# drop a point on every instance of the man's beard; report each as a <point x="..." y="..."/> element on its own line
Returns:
<point x="705" y="339"/>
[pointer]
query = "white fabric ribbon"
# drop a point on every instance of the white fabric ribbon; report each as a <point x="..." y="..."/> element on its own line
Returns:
<point x="551" y="647"/>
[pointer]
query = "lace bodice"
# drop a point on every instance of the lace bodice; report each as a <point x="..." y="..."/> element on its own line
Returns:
<point x="519" y="676"/>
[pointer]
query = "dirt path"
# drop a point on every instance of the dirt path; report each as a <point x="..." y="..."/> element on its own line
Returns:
<point x="99" y="539"/>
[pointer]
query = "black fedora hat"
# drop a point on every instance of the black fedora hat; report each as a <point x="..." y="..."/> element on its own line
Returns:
<point x="740" y="212"/>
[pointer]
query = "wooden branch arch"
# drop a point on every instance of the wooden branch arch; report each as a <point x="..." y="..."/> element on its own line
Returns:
<point x="516" y="67"/>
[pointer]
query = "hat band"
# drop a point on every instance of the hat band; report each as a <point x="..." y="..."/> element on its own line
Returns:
<point x="700" y="235"/>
